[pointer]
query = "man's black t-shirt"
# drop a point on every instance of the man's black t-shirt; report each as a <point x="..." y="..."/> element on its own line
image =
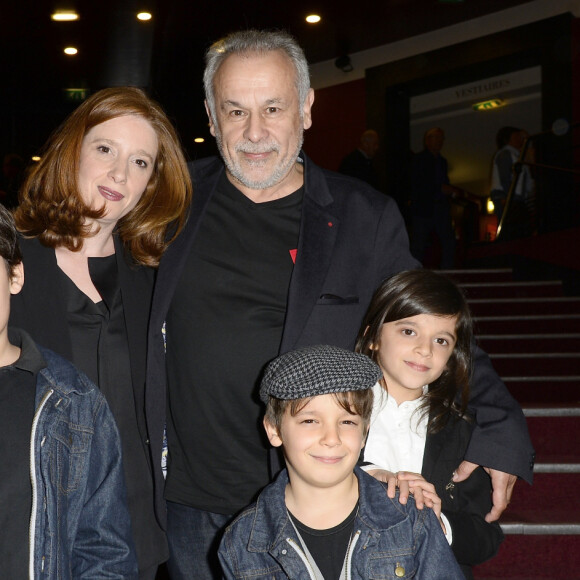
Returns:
<point x="225" y="323"/>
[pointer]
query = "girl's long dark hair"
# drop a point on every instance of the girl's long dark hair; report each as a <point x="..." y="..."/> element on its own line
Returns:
<point x="416" y="292"/>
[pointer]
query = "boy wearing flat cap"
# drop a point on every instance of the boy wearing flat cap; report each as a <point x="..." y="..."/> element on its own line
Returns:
<point x="323" y="518"/>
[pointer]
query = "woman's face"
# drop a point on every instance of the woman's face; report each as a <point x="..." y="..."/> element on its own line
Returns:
<point x="116" y="162"/>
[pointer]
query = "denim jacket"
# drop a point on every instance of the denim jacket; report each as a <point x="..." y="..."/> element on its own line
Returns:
<point x="389" y="541"/>
<point x="79" y="525"/>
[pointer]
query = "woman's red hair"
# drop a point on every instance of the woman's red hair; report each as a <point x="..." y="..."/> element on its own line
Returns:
<point x="51" y="207"/>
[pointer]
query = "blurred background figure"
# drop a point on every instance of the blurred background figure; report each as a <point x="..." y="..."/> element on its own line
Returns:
<point x="430" y="205"/>
<point x="510" y="141"/>
<point x="359" y="163"/>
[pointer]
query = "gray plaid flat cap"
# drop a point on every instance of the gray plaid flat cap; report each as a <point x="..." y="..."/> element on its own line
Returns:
<point x="318" y="370"/>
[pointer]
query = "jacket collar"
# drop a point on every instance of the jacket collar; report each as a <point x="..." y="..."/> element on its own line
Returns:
<point x="205" y="176"/>
<point x="315" y="184"/>
<point x="272" y="525"/>
<point x="319" y="229"/>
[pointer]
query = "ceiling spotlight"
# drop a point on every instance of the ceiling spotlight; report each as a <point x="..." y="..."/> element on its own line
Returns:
<point x="313" y="18"/>
<point x="70" y="50"/>
<point x="199" y="140"/>
<point x="64" y="16"/>
<point x="343" y="63"/>
<point x="144" y="16"/>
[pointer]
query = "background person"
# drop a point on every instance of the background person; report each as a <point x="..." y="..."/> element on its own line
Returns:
<point x="359" y="163"/>
<point x="510" y="141"/>
<point x="430" y="205"/>
<point x="94" y="215"/>
<point x="277" y="254"/>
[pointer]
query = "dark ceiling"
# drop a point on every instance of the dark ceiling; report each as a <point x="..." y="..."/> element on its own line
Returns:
<point x="166" y="54"/>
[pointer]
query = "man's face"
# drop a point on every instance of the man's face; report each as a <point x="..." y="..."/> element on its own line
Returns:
<point x="259" y="122"/>
<point x="434" y="141"/>
<point x="517" y="139"/>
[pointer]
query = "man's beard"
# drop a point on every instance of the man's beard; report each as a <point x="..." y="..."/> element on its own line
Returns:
<point x="279" y="172"/>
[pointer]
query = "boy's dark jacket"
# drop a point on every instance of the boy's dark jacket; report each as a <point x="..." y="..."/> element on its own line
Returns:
<point x="79" y="523"/>
<point x="387" y="536"/>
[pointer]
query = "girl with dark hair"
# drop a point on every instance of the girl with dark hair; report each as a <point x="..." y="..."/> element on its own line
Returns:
<point x="418" y="329"/>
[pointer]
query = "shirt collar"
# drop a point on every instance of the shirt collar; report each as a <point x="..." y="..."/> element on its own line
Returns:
<point x="30" y="358"/>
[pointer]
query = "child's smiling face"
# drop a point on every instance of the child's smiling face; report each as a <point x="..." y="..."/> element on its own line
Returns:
<point x="322" y="442"/>
<point x="414" y="352"/>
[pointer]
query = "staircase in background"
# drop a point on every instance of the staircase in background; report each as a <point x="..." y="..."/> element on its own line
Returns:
<point x="532" y="333"/>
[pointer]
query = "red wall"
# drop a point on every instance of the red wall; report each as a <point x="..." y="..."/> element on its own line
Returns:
<point x="338" y="119"/>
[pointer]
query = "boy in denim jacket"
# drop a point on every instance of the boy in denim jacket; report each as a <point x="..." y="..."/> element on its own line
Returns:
<point x="323" y="518"/>
<point x="63" y="510"/>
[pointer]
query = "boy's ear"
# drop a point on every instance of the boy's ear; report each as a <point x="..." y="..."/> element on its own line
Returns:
<point x="17" y="278"/>
<point x="272" y="434"/>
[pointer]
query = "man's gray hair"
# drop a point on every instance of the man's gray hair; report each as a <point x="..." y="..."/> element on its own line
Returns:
<point x="261" y="42"/>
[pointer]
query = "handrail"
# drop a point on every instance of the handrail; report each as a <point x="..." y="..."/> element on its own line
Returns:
<point x="517" y="171"/>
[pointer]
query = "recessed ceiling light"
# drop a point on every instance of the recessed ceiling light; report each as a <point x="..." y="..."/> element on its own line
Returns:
<point x="70" y="50"/>
<point x="144" y="16"/>
<point x="199" y="140"/>
<point x="64" y="15"/>
<point x="35" y="158"/>
<point x="313" y="18"/>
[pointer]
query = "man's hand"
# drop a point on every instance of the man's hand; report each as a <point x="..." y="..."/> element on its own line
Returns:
<point x="502" y="484"/>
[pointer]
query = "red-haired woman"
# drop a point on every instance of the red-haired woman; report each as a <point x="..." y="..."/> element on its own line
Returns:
<point x="96" y="214"/>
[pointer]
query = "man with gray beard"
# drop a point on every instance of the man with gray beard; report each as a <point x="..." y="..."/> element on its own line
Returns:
<point x="277" y="254"/>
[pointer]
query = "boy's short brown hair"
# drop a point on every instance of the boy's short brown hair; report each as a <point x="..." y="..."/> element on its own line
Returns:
<point x="9" y="246"/>
<point x="355" y="402"/>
